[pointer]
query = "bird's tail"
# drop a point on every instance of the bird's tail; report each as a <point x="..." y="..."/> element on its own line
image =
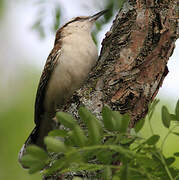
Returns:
<point x="36" y="137"/>
<point x="30" y="141"/>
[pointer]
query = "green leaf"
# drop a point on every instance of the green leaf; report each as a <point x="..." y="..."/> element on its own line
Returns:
<point x="88" y="155"/>
<point x="121" y="121"/>
<point x="70" y="140"/>
<point x="114" y="121"/>
<point x="173" y="117"/>
<point x="124" y="123"/>
<point x="94" y="127"/>
<point x="74" y="156"/>
<point x="176" y="154"/>
<point x="34" y="164"/>
<point x="66" y="119"/>
<point x="107" y="174"/>
<point x="126" y="140"/>
<point x="146" y="162"/>
<point x="165" y="117"/>
<point x="139" y="125"/>
<point x="124" y="151"/>
<point x="28" y="160"/>
<point x="124" y="172"/>
<point x="177" y="110"/>
<point x="117" y="119"/>
<point x="153" y="140"/>
<point x="79" y="136"/>
<point x="127" y="153"/>
<point x="56" y="166"/>
<point x="36" y="167"/>
<point x="177" y="177"/>
<point x="105" y="156"/>
<point x="176" y="133"/>
<point x="37" y="152"/>
<point x="133" y="132"/>
<point x="54" y="145"/>
<point x="58" y="132"/>
<point x="170" y="160"/>
<point x="109" y="122"/>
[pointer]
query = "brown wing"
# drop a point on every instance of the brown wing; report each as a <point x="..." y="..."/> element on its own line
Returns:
<point x="45" y="77"/>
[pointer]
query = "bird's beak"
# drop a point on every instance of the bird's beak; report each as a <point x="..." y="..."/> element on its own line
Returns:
<point x="96" y="16"/>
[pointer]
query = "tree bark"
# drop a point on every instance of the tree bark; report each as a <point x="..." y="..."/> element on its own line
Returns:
<point x="133" y="60"/>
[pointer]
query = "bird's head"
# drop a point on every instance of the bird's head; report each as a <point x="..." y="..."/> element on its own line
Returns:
<point x="83" y="22"/>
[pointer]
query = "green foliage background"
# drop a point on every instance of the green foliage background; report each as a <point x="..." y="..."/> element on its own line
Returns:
<point x="16" y="122"/>
<point x="171" y="144"/>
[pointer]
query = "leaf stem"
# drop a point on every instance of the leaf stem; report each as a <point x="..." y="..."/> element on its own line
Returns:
<point x="150" y="125"/>
<point x="165" y="166"/>
<point x="116" y="148"/>
<point x="165" y="138"/>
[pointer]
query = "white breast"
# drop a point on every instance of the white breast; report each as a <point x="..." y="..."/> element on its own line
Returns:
<point x="77" y="56"/>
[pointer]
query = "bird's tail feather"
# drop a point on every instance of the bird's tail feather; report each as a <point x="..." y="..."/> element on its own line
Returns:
<point x="36" y="137"/>
<point x="30" y="141"/>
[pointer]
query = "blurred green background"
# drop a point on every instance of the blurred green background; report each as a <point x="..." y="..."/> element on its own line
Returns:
<point x="22" y="55"/>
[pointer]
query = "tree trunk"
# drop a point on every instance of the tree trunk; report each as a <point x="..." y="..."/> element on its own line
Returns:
<point x="133" y="60"/>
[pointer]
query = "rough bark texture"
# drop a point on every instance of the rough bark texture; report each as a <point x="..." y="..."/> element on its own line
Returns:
<point x="133" y="61"/>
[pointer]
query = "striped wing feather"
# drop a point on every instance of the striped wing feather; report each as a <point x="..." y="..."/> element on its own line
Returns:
<point x="45" y="77"/>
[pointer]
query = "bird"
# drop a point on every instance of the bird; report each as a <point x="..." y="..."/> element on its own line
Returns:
<point x="66" y="68"/>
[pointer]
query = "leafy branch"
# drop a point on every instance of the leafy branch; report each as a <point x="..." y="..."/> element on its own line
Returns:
<point x="105" y="147"/>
